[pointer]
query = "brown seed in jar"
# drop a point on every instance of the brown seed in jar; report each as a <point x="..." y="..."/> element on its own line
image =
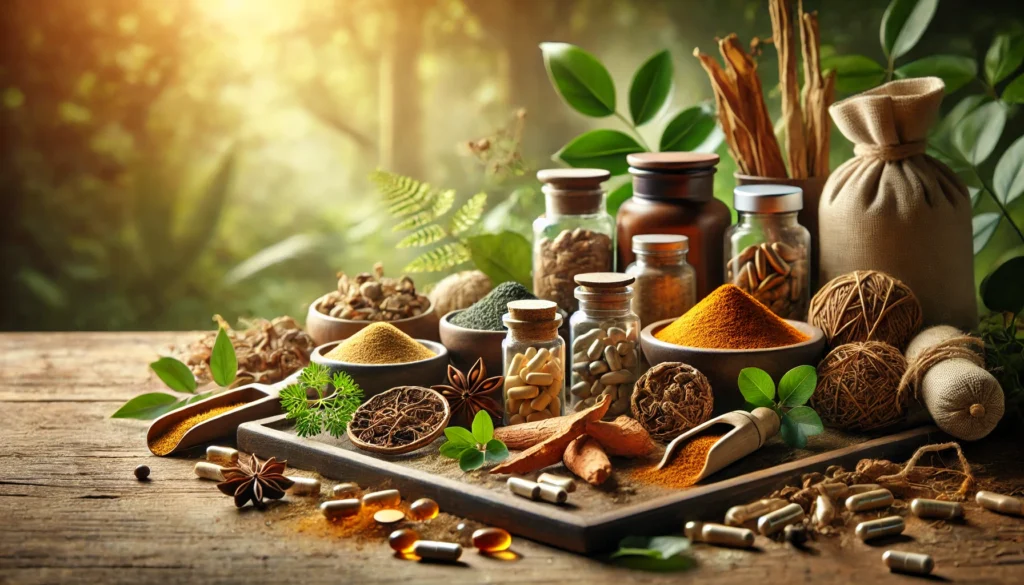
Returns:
<point x="760" y="264"/>
<point x="787" y="252"/>
<point x="775" y="261"/>
<point x="743" y="257"/>
<point x="769" y="283"/>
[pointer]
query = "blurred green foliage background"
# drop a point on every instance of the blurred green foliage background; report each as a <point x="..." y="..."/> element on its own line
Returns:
<point x="165" y="160"/>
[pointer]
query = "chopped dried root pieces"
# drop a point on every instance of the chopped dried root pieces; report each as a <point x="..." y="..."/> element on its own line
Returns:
<point x="549" y="451"/>
<point x="585" y="458"/>
<point x="622" y="437"/>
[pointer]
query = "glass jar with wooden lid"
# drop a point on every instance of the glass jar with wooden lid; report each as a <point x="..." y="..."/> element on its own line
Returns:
<point x="534" y="360"/>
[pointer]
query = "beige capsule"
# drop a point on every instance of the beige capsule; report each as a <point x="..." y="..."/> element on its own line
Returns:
<point x="538" y="361"/>
<point x="740" y="515"/>
<point x="860" y="488"/>
<point x="566" y="483"/>
<point x="553" y="494"/>
<point x="539" y="379"/>
<point x="344" y="490"/>
<point x="1000" y="503"/>
<point x="727" y="535"/>
<point x="207" y="470"/>
<point x="221" y="455"/>
<point x="383" y="498"/>
<point x="437" y="551"/>
<point x="834" y="490"/>
<point x="887" y="526"/>
<point x="692" y="530"/>
<point x="304" y="486"/>
<point x="923" y="508"/>
<point x="869" y="501"/>
<point x="775" y="521"/>
<point x="335" y="509"/>
<point x="523" y="488"/>
<point x="908" y="562"/>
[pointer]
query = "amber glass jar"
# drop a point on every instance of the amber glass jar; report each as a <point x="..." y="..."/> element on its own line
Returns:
<point x="673" y="193"/>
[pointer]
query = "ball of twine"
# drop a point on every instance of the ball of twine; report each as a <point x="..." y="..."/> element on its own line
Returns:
<point x="858" y="386"/>
<point x="670" y="399"/>
<point x="866" y="305"/>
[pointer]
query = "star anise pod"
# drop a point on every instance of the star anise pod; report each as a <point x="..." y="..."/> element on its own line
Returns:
<point x="252" y="481"/>
<point x="468" y="395"/>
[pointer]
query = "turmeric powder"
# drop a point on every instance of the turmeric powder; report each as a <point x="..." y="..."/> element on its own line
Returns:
<point x="684" y="470"/>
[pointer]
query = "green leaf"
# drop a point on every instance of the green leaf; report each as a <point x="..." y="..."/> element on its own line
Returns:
<point x="471" y="459"/>
<point x="223" y="363"/>
<point x="467" y="215"/>
<point x="495" y="451"/>
<point x="688" y="129"/>
<point x="600" y="149"/>
<point x="440" y="258"/>
<point x="1003" y="289"/>
<point x="903" y="23"/>
<point x="460" y="436"/>
<point x="792" y="434"/>
<point x="617" y="197"/>
<point x="176" y="375"/>
<point x="943" y="131"/>
<point x="954" y="70"/>
<point x="483" y="427"/>
<point x="503" y="257"/>
<point x="651" y="86"/>
<point x="423" y="237"/>
<point x="453" y="450"/>
<point x="657" y="547"/>
<point x="148" y="406"/>
<point x="757" y="386"/>
<point x="581" y="80"/>
<point x="984" y="225"/>
<point x="403" y="195"/>
<point x="808" y="420"/>
<point x="854" y="73"/>
<point x="1008" y="180"/>
<point x="977" y="135"/>
<point x="1014" y="92"/>
<point x="797" y="385"/>
<point x="1004" y="56"/>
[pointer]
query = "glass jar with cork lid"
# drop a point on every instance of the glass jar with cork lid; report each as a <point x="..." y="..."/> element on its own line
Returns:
<point x="534" y="359"/>
<point x="573" y="236"/>
<point x="768" y="249"/>
<point x="666" y="285"/>
<point x="605" y="353"/>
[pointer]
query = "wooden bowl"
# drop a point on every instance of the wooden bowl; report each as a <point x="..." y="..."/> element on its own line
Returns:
<point x="722" y="366"/>
<point x="466" y="345"/>
<point x="376" y="378"/>
<point x="324" y="328"/>
<point x="421" y="442"/>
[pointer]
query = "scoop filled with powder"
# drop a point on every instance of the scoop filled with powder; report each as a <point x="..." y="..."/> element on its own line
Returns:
<point x="380" y="343"/>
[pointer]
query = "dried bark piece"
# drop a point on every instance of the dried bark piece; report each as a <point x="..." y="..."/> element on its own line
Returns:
<point x="792" y="117"/>
<point x="550" y="450"/>
<point x="622" y="437"/>
<point x="587" y="460"/>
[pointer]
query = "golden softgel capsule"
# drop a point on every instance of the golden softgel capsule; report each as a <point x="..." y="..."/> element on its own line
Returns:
<point x="923" y="508"/>
<point x="887" y="526"/>
<point x="402" y="540"/>
<point x="423" y="509"/>
<point x="908" y="562"/>
<point x="492" y="539"/>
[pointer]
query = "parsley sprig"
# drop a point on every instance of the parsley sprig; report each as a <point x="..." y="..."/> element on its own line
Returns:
<point x="331" y="412"/>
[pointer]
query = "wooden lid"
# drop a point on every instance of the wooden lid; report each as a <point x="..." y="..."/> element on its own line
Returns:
<point x="604" y="279"/>
<point x="532" y="310"/>
<point x="574" y="179"/>
<point x="672" y="161"/>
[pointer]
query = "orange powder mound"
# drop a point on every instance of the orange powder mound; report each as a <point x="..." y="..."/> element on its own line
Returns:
<point x="681" y="472"/>
<point x="729" y="318"/>
<point x="166" y="442"/>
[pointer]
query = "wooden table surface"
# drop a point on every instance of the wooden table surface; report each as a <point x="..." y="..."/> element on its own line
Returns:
<point x="72" y="512"/>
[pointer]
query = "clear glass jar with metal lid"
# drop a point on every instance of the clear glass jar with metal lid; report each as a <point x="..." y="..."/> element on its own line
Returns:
<point x="573" y="236"/>
<point x="605" y="348"/>
<point x="769" y="250"/>
<point x="666" y="285"/>
<point x="534" y="358"/>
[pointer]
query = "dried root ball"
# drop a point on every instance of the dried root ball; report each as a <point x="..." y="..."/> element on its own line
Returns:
<point x="672" y="398"/>
<point x="866" y="305"/>
<point x="858" y="386"/>
<point x="459" y="291"/>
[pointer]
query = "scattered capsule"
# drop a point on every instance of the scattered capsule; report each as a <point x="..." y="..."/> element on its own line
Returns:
<point x="727" y="535"/>
<point x="388" y="516"/>
<point x="550" y="493"/>
<point x="834" y="491"/>
<point x="402" y="540"/>
<point x="692" y="530"/>
<point x="740" y="515"/>
<point x="304" y="486"/>
<point x="860" y="488"/>
<point x="796" y="534"/>
<point x="566" y="483"/>
<point x="771" y="523"/>
<point x="207" y="470"/>
<point x="437" y="551"/>
<point x="824" y="511"/>
<point x="492" y="539"/>
<point x="1000" y="503"/>
<point x="887" y="526"/>
<point x="869" y="500"/>
<point x="142" y="472"/>
<point x="423" y="509"/>
<point x="523" y="487"/>
<point x="344" y="491"/>
<point x="335" y="509"/>
<point x="908" y="562"/>
<point x="923" y="508"/>
<point x="222" y="455"/>
<point x="383" y="498"/>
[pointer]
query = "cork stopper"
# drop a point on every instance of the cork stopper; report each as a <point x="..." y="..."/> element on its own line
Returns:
<point x="604" y="291"/>
<point x="573" y="191"/>
<point x="672" y="161"/>
<point x="532" y="310"/>
<point x="532" y="320"/>
<point x="604" y="280"/>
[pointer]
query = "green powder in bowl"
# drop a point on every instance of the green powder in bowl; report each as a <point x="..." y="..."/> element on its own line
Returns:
<point x="485" y="314"/>
<point x="380" y="343"/>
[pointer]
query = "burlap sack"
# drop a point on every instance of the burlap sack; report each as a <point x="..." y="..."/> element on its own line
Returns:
<point x="895" y="209"/>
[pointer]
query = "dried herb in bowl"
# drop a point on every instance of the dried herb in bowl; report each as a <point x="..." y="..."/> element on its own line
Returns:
<point x="400" y="420"/>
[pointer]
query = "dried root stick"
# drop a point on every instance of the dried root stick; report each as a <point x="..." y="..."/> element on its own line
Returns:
<point x="549" y="452"/>
<point x="587" y="460"/>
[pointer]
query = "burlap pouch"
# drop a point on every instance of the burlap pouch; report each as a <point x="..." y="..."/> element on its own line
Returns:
<point x="895" y="209"/>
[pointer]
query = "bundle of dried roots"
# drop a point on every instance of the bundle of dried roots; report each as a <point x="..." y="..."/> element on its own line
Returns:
<point x="400" y="419"/>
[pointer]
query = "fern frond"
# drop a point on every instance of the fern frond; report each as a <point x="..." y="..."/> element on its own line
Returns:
<point x="467" y="215"/>
<point x="440" y="258"/>
<point x="423" y="237"/>
<point x="443" y="202"/>
<point x="414" y="221"/>
<point x="403" y="195"/>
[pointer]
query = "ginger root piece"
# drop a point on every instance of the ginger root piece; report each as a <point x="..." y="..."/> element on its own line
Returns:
<point x="587" y="460"/>
<point x="549" y="451"/>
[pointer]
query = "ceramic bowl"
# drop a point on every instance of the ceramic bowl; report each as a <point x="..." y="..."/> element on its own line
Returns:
<point x="376" y="378"/>
<point x="466" y="345"/>
<point x="324" y="328"/>
<point x="722" y="366"/>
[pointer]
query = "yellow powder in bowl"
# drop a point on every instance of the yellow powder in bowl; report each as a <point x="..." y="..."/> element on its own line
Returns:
<point x="380" y="343"/>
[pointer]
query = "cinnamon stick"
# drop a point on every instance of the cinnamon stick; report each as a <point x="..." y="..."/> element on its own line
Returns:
<point x="792" y="118"/>
<point x="622" y="437"/>
<point x="549" y="451"/>
<point x="526" y="435"/>
<point x="587" y="460"/>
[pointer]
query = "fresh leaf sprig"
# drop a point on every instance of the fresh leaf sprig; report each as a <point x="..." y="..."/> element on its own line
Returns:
<point x="654" y="553"/>
<point x="1002" y="291"/>
<point x="795" y="389"/>
<point x="328" y="411"/>
<point x="178" y="377"/>
<point x="473" y="449"/>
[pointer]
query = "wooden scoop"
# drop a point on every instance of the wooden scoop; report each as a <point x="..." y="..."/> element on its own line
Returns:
<point x="261" y="401"/>
<point x="749" y="431"/>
